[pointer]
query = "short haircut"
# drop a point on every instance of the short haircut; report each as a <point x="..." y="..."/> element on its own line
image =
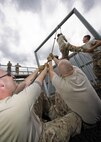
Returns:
<point x="59" y="34"/>
<point x="65" y="67"/>
<point x="88" y="37"/>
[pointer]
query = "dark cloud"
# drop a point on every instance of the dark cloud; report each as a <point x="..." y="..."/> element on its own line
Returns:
<point x="31" y="5"/>
<point x="2" y="1"/>
<point x="88" y="4"/>
<point x="69" y="4"/>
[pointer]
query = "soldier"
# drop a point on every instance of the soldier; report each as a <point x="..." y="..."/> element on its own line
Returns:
<point x="93" y="47"/>
<point x="9" y="65"/>
<point x="25" y="127"/>
<point x="65" y="46"/>
<point x="17" y="68"/>
<point x="71" y="84"/>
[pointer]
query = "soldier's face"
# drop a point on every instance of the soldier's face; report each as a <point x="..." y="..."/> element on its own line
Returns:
<point x="84" y="39"/>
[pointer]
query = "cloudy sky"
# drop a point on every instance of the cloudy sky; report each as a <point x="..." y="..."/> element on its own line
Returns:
<point x="24" y="24"/>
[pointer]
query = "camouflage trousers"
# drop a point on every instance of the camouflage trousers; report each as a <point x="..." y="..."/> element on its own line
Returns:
<point x="58" y="107"/>
<point x="68" y="47"/>
<point x="64" y="123"/>
<point x="61" y="129"/>
<point x="41" y="107"/>
<point x="65" y="52"/>
<point x="97" y="65"/>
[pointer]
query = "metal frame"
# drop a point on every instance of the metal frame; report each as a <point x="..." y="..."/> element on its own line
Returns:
<point x="81" y="18"/>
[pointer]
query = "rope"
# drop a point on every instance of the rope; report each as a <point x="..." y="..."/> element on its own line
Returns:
<point x="54" y="40"/>
<point x="53" y="43"/>
<point x="60" y="30"/>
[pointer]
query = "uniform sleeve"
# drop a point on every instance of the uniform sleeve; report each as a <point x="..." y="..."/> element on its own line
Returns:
<point x="30" y="94"/>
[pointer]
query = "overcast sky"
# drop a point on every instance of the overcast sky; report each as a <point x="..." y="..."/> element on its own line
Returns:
<point x="24" y="24"/>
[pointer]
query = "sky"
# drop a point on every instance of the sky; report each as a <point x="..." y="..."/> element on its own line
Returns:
<point x="24" y="24"/>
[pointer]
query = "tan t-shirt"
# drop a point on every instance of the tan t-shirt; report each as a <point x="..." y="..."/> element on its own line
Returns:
<point x="79" y="95"/>
<point x="17" y="123"/>
<point x="89" y="44"/>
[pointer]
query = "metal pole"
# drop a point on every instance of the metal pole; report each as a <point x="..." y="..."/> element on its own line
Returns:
<point x="45" y="86"/>
<point x="58" y="26"/>
<point x="87" y="25"/>
<point x="36" y="58"/>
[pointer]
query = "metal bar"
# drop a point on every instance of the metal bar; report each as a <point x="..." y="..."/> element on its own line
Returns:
<point x="45" y="86"/>
<point x="75" y="59"/>
<point x="58" y="26"/>
<point x="53" y="45"/>
<point x="87" y="25"/>
<point x="37" y="59"/>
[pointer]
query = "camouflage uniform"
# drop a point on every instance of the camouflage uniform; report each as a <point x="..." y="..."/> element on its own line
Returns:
<point x="61" y="129"/>
<point x="64" y="123"/>
<point x="96" y="56"/>
<point x="97" y="64"/>
<point x="58" y="108"/>
<point x="41" y="106"/>
<point x="65" y="47"/>
<point x="17" y="68"/>
<point x="9" y="65"/>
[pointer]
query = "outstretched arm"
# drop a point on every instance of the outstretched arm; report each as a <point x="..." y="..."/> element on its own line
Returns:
<point x="91" y="49"/>
<point x="56" y="60"/>
<point x="41" y="76"/>
<point x="26" y="82"/>
<point x="51" y="71"/>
